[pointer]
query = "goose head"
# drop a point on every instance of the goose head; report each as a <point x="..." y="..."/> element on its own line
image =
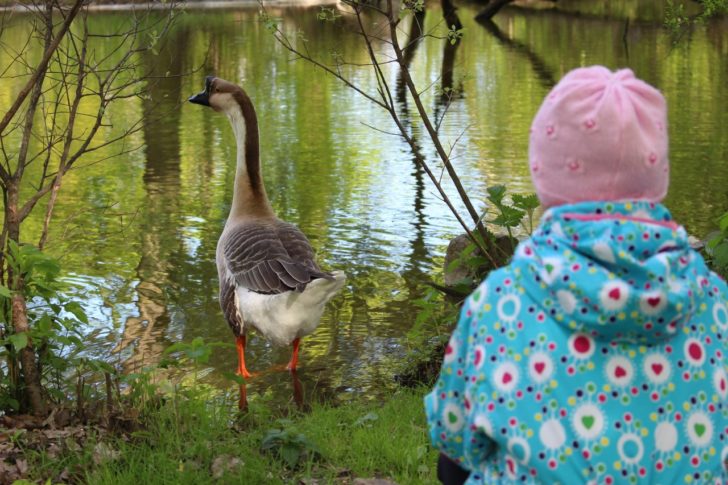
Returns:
<point x="220" y="95"/>
<point x="249" y="195"/>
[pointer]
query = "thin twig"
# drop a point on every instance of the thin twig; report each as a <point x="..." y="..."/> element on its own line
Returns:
<point x="41" y="66"/>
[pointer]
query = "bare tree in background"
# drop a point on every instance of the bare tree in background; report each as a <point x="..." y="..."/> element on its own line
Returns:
<point x="379" y="24"/>
<point x="69" y="76"/>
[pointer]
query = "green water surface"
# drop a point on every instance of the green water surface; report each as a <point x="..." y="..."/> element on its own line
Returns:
<point x="137" y="234"/>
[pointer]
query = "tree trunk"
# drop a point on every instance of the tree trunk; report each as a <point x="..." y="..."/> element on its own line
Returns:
<point x="449" y="13"/>
<point x="491" y="9"/>
<point x="33" y="390"/>
<point x="19" y="311"/>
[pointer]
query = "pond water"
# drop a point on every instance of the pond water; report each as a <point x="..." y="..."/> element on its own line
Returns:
<point x="137" y="234"/>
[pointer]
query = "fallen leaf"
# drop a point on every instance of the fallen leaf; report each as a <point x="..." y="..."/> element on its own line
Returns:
<point x="63" y="418"/>
<point x="309" y="481"/>
<point x="8" y="473"/>
<point x="50" y="420"/>
<point x="103" y="453"/>
<point x="22" y="466"/>
<point x="223" y="464"/>
<point x="64" y="476"/>
<point x="53" y="451"/>
<point x="6" y="448"/>
<point x="72" y="445"/>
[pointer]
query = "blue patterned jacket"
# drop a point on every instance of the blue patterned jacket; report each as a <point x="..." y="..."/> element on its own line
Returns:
<point x="597" y="356"/>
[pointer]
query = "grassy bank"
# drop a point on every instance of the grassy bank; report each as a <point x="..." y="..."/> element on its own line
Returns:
<point x="194" y="440"/>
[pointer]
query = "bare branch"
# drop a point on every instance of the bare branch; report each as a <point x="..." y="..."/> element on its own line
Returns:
<point x="41" y="66"/>
<point x="80" y="78"/>
<point x="386" y="101"/>
<point x="285" y="42"/>
<point x="482" y="230"/>
<point x="34" y="97"/>
<point x="385" y="132"/>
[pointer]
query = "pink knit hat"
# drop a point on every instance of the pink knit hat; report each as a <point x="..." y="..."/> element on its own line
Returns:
<point x="600" y="135"/>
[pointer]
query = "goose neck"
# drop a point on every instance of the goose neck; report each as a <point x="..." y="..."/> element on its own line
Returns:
<point x="249" y="196"/>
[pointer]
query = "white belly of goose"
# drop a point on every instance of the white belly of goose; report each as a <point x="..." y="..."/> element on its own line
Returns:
<point x="283" y="317"/>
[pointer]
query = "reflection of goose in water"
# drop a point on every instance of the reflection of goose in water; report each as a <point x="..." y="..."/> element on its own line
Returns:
<point x="269" y="279"/>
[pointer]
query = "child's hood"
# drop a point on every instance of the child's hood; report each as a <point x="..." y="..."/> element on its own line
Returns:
<point x="614" y="270"/>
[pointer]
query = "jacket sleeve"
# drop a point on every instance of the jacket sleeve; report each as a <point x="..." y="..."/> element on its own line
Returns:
<point x="454" y="430"/>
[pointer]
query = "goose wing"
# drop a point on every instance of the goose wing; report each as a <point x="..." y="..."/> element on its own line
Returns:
<point x="229" y="305"/>
<point x="270" y="258"/>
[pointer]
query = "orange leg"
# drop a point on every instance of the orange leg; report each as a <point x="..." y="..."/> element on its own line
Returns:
<point x="294" y="358"/>
<point x="240" y="345"/>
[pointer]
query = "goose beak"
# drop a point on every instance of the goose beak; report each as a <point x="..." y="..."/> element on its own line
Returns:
<point x="203" y="98"/>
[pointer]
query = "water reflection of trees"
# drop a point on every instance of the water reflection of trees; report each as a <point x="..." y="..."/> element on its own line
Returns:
<point x="161" y="181"/>
<point x="543" y="72"/>
<point x="386" y="269"/>
<point x="420" y="258"/>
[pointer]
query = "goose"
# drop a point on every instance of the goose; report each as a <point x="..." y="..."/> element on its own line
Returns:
<point x="269" y="278"/>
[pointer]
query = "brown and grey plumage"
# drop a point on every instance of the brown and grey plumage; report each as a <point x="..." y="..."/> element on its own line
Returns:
<point x="270" y="257"/>
<point x="269" y="279"/>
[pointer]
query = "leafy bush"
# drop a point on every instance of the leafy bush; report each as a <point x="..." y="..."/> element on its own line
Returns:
<point x="505" y="216"/>
<point x="56" y="329"/>
<point x="716" y="247"/>
<point x="512" y="215"/>
<point x="677" y="20"/>
<point x="288" y="444"/>
<point x="426" y="339"/>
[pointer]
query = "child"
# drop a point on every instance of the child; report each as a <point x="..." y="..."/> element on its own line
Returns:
<point x="599" y="354"/>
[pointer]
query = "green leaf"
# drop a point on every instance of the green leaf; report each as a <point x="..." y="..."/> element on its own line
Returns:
<point x="509" y="217"/>
<point x="75" y="340"/>
<point x="496" y="193"/>
<point x="723" y="222"/>
<point x="4" y="292"/>
<point x="271" y="439"/>
<point x="13" y="249"/>
<point x="46" y="266"/>
<point x="454" y="264"/>
<point x="198" y="351"/>
<point x="290" y="454"/>
<point x="720" y="254"/>
<point x="175" y="347"/>
<point x="713" y="242"/>
<point x="76" y="309"/>
<point x="19" y="340"/>
<point x="525" y="202"/>
<point x="23" y="481"/>
<point x="45" y="324"/>
<point x="236" y="378"/>
<point x="100" y="365"/>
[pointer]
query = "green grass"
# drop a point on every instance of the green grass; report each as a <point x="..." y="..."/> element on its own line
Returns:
<point x="183" y="437"/>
